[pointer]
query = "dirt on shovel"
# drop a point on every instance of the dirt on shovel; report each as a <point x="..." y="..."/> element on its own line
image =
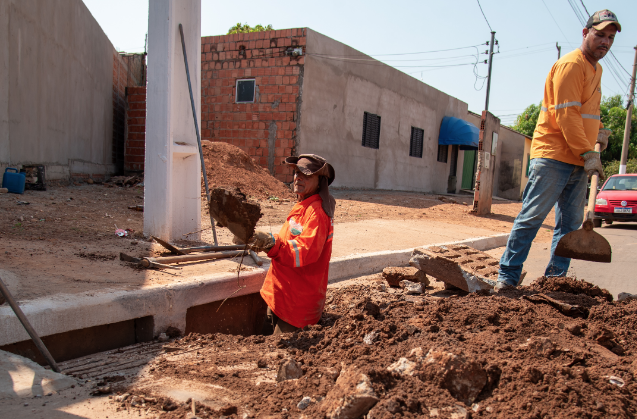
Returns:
<point x="232" y="209"/>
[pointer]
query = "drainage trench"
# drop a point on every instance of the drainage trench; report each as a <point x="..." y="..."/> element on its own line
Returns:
<point x="244" y="315"/>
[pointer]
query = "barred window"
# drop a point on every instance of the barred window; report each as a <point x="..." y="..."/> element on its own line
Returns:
<point x="415" y="142"/>
<point x="371" y="130"/>
<point x="443" y="150"/>
<point x="245" y="91"/>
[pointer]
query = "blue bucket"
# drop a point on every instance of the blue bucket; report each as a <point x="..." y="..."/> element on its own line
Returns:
<point x="13" y="180"/>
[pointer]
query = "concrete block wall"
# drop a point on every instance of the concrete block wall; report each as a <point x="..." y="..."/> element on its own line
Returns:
<point x="267" y="128"/>
<point x="135" y="129"/>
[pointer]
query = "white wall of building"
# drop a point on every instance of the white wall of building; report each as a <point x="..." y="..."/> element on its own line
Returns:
<point x="336" y="93"/>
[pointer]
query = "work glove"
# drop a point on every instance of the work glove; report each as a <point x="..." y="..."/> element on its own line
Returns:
<point x="592" y="164"/>
<point x="262" y="241"/>
<point x="602" y="138"/>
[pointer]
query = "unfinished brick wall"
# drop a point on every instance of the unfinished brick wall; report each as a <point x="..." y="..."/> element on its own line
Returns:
<point x="265" y="129"/>
<point x="123" y="77"/>
<point x="135" y="130"/>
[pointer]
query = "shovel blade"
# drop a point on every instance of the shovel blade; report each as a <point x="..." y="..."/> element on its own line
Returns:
<point x="584" y="245"/>
<point x="231" y="209"/>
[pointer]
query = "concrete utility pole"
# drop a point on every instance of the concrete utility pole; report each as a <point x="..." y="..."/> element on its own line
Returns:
<point x="559" y="50"/>
<point x="486" y="105"/>
<point x="629" y="114"/>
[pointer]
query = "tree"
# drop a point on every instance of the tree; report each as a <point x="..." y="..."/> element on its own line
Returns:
<point x="245" y="28"/>
<point x="613" y="116"/>
<point x="527" y="120"/>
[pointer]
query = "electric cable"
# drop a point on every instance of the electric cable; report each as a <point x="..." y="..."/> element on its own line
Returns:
<point x="485" y="16"/>
<point x="557" y="24"/>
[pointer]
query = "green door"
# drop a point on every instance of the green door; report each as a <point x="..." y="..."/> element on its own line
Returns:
<point x="468" y="169"/>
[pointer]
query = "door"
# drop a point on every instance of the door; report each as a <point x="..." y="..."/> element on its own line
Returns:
<point x="468" y="171"/>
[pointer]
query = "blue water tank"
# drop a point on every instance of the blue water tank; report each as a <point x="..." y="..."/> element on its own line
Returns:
<point x="13" y="180"/>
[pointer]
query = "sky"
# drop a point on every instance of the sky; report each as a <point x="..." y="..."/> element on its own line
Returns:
<point x="403" y="33"/>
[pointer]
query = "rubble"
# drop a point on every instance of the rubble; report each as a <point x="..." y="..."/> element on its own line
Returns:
<point x="289" y="370"/>
<point x="464" y="378"/>
<point x="458" y="265"/>
<point x="403" y="366"/>
<point x="394" y="275"/>
<point x="411" y="288"/>
<point x="623" y="296"/>
<point x="351" y="397"/>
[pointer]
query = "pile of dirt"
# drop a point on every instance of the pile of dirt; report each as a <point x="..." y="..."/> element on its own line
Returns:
<point x="230" y="167"/>
<point x="382" y="353"/>
<point x="570" y="285"/>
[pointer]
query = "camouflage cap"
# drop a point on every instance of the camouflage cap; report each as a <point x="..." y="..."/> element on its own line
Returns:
<point x="599" y="20"/>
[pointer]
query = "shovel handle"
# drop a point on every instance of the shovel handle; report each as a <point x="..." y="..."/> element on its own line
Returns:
<point x="592" y="196"/>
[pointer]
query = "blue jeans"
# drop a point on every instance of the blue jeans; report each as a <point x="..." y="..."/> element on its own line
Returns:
<point x="551" y="182"/>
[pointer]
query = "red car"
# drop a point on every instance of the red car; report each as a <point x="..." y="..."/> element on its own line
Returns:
<point x="617" y="201"/>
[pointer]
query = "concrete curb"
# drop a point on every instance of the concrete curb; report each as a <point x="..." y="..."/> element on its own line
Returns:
<point x="168" y="303"/>
<point x="369" y="263"/>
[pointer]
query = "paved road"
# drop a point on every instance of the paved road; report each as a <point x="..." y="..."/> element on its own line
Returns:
<point x="618" y="276"/>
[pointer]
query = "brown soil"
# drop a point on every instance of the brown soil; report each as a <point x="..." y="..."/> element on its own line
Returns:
<point x="539" y="363"/>
<point x="229" y="166"/>
<point x="570" y="285"/>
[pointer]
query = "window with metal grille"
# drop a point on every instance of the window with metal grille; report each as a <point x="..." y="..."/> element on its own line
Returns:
<point x="443" y="150"/>
<point x="415" y="142"/>
<point x="245" y="91"/>
<point x="371" y="130"/>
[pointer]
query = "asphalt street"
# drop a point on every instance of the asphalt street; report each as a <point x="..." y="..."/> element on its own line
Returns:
<point x="618" y="276"/>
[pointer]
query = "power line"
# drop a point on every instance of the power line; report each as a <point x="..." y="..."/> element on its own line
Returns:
<point x="376" y="62"/>
<point x="405" y="53"/>
<point x="557" y="24"/>
<point x="385" y="60"/>
<point x="485" y="16"/>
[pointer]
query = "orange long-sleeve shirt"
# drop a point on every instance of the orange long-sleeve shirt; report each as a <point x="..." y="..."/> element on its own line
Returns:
<point x="569" y="119"/>
<point x="295" y="285"/>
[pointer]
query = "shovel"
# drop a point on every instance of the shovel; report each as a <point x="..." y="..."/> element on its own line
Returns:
<point x="585" y="244"/>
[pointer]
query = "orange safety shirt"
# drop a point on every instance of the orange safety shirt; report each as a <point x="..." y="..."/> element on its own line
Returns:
<point x="569" y="118"/>
<point x="296" y="282"/>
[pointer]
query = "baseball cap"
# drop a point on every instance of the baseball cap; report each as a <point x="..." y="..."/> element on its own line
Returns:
<point x="599" y="20"/>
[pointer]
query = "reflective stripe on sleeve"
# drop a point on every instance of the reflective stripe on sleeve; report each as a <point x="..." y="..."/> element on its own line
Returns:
<point x="544" y="109"/>
<point x="297" y="258"/>
<point x="330" y="236"/>
<point x="567" y="104"/>
<point x="589" y="116"/>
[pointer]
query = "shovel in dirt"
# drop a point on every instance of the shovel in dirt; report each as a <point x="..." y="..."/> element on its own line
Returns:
<point x="585" y="244"/>
<point x="232" y="209"/>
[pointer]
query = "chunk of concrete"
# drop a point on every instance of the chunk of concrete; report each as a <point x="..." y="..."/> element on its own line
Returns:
<point x="21" y="377"/>
<point x="622" y="296"/>
<point x="411" y="288"/>
<point x="289" y="370"/>
<point x="451" y="412"/>
<point x="351" y="397"/>
<point x="540" y="346"/>
<point x="403" y="367"/>
<point x="464" y="378"/>
<point x="458" y="265"/>
<point x="393" y="276"/>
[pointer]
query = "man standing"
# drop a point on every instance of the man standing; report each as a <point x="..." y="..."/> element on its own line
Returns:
<point x="562" y="151"/>
<point x="296" y="283"/>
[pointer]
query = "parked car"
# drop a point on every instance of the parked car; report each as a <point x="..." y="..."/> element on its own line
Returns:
<point x="617" y="200"/>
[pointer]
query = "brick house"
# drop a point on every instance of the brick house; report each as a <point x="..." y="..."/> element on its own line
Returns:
<point x="287" y="92"/>
<point x="264" y="124"/>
